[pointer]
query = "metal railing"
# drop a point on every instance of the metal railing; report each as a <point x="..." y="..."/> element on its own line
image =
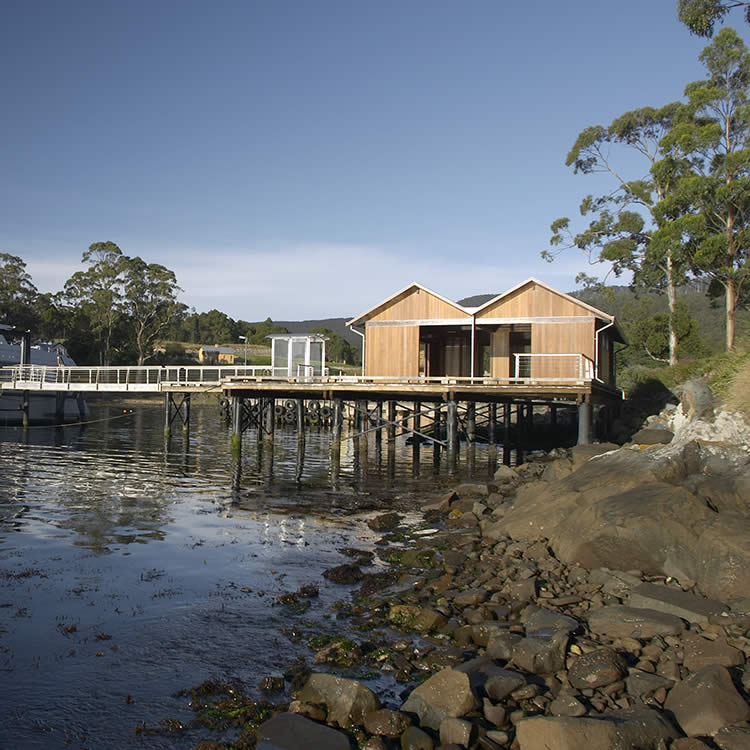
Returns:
<point x="563" y="369"/>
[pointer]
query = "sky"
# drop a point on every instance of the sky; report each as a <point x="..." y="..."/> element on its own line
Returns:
<point x="295" y="159"/>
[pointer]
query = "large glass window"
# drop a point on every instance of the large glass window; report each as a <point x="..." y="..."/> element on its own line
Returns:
<point x="280" y="355"/>
<point x="298" y="357"/>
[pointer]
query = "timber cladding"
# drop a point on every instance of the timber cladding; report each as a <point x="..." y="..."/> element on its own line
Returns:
<point x="532" y="301"/>
<point x="418" y="304"/>
<point x="392" y="351"/>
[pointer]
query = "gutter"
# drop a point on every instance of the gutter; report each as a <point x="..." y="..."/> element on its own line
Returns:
<point x="359" y="333"/>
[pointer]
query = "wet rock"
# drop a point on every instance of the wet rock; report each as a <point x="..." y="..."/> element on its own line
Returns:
<point x="631" y="622"/>
<point x="541" y="655"/>
<point x="272" y="684"/>
<point x="504" y="473"/>
<point x="415" y="739"/>
<point x="470" y="597"/>
<point x="342" y="652"/>
<point x="674" y="601"/>
<point x="445" y="695"/>
<point x="688" y="743"/>
<point x="288" y="731"/>
<point x="316" y="713"/>
<point x="386" y="723"/>
<point x="346" y="573"/>
<point x="374" y="743"/>
<point x="644" y="729"/>
<point x="348" y="701"/>
<point x="384" y="522"/>
<point x="494" y="714"/>
<point x="596" y="669"/>
<point x="652" y="436"/>
<point x="706" y="702"/>
<point x="472" y="490"/>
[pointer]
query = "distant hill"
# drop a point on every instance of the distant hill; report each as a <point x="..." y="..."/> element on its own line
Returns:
<point x="337" y="325"/>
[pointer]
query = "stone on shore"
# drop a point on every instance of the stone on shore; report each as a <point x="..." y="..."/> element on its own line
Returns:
<point x="445" y="695"/>
<point x="287" y="731"/>
<point x="707" y="701"/>
<point x="674" y="601"/>
<point x="618" y="621"/>
<point x="644" y="729"/>
<point x="347" y="701"/>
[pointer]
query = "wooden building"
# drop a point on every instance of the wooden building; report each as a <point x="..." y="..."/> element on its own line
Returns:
<point x="531" y="332"/>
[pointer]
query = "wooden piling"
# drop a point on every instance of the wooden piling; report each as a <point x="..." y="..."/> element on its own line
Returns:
<point x="451" y="430"/>
<point x="506" y="432"/>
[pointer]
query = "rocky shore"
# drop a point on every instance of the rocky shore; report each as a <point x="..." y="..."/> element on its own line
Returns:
<point x="597" y="598"/>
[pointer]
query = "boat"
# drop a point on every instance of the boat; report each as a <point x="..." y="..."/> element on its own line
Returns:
<point x="43" y="407"/>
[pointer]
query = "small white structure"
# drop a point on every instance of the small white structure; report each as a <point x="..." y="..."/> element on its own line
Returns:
<point x="298" y="354"/>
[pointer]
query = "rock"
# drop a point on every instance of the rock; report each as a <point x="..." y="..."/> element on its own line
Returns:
<point x="643" y="685"/>
<point x="341" y="651"/>
<point x="504" y="473"/>
<point x="470" y="597"/>
<point x="688" y="743"/>
<point x="346" y="573"/>
<point x="472" y="489"/>
<point x="374" y="743"/>
<point x="651" y="436"/>
<point x="455" y="732"/>
<point x="384" y="522"/>
<point x="501" y="645"/>
<point x="316" y="713"/>
<point x="287" y="731"/>
<point x="733" y="738"/>
<point x="696" y="399"/>
<point x="272" y="684"/>
<point x="546" y="621"/>
<point x="494" y="714"/>
<point x="567" y="704"/>
<point x="445" y="695"/>
<point x="699" y="652"/>
<point x="643" y="728"/>
<point x="724" y="549"/>
<point x="580" y="454"/>
<point x="415" y="739"/>
<point x="596" y="669"/>
<point x="674" y="601"/>
<point x="617" y="621"/>
<point x="348" y="701"/>
<point x="706" y="702"/>
<point x="386" y="723"/>
<point x="541" y="655"/>
<point x="503" y="683"/>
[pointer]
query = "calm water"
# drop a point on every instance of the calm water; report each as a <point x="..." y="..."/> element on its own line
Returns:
<point x="130" y="570"/>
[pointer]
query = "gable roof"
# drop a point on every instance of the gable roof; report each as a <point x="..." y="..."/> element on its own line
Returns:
<point x="373" y="310"/>
<point x="569" y="297"/>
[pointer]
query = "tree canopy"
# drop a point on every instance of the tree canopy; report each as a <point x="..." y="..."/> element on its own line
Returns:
<point x="700" y="16"/>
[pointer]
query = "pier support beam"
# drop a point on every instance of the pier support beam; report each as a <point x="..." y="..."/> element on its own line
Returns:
<point x="391" y="429"/>
<point x="506" y="433"/>
<point x="176" y="409"/>
<point x="584" y="422"/>
<point x="471" y="435"/>
<point x="237" y="410"/>
<point x="451" y="430"/>
<point x="416" y="437"/>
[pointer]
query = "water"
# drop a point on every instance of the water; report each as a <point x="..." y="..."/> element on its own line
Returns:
<point x="130" y="570"/>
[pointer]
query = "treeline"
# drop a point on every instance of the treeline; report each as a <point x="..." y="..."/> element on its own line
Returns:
<point x="683" y="213"/>
<point x="120" y="310"/>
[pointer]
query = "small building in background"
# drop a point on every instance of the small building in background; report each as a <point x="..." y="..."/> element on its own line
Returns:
<point x="216" y="355"/>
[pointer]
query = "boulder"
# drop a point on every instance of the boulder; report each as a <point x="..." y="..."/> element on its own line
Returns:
<point x="700" y="652"/>
<point x="541" y="654"/>
<point x="674" y="601"/>
<point x="643" y="728"/>
<point x="386" y="723"/>
<point x="617" y="621"/>
<point x="707" y="701"/>
<point x="348" y="701"/>
<point x="652" y="436"/>
<point x="445" y="695"/>
<point x="287" y="731"/>
<point x="598" y="668"/>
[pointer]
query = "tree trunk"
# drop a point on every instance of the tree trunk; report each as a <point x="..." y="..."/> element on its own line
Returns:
<point x="731" y="305"/>
<point x="672" y="300"/>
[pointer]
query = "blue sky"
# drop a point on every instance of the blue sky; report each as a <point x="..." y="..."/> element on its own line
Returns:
<point x="308" y="159"/>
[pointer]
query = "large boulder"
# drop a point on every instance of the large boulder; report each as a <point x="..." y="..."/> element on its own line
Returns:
<point x="287" y="731"/>
<point x="445" y="695"/>
<point x="347" y="701"/>
<point x="642" y="728"/>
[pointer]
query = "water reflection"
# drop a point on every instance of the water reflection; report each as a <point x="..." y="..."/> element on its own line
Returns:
<point x="175" y="551"/>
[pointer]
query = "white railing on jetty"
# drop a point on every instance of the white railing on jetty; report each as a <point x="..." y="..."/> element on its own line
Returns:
<point x="528" y="369"/>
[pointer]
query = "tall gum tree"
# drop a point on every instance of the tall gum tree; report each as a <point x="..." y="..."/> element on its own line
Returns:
<point x="18" y="294"/>
<point x="623" y="221"/>
<point x="710" y="205"/>
<point x="700" y="16"/>
<point x="97" y="291"/>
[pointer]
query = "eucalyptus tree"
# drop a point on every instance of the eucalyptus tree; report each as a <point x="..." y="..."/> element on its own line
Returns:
<point x="18" y="295"/>
<point x="710" y="205"/>
<point x="149" y="302"/>
<point x="700" y="16"/>
<point x="623" y="221"/>
<point x="97" y="293"/>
